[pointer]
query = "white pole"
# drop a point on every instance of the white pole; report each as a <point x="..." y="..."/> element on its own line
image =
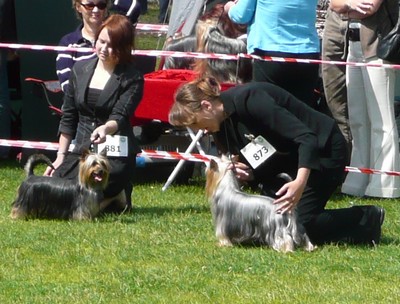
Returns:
<point x="181" y="162"/>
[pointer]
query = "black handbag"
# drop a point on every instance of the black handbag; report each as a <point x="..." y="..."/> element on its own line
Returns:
<point x="389" y="46"/>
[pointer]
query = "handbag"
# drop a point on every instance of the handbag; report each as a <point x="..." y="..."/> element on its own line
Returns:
<point x="389" y="46"/>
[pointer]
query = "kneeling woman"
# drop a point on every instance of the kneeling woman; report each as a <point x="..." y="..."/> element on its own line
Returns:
<point x="253" y="119"/>
<point x="102" y="96"/>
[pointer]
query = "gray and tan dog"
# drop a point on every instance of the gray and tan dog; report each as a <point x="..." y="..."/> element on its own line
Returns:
<point x="247" y="219"/>
<point x="58" y="198"/>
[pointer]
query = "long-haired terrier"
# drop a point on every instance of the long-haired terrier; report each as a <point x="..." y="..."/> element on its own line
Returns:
<point x="59" y="198"/>
<point x="247" y="219"/>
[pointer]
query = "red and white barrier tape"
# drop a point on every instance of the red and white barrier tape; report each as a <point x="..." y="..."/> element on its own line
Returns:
<point x="177" y="155"/>
<point x="371" y="171"/>
<point x="40" y="145"/>
<point x="164" y="155"/>
<point x="198" y="55"/>
<point x="152" y="27"/>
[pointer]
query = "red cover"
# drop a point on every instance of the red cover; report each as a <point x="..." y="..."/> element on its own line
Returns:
<point x="159" y="90"/>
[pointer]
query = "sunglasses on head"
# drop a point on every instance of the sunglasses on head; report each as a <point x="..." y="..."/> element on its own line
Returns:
<point x="90" y="6"/>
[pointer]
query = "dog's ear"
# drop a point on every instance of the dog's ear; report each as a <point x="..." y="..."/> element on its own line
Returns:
<point x="213" y="165"/>
<point x="103" y="152"/>
<point x="84" y="154"/>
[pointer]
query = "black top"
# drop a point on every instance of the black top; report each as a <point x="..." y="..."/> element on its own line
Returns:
<point x="288" y="124"/>
<point x="117" y="101"/>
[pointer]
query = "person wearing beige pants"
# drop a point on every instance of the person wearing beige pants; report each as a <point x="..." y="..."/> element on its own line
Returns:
<point x="372" y="122"/>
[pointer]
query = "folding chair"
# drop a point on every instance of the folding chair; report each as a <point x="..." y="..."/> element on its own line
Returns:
<point x="47" y="87"/>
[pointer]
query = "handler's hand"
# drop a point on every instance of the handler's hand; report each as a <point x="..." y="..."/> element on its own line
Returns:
<point x="49" y="170"/>
<point x="242" y="171"/>
<point x="228" y="5"/>
<point x="290" y="194"/>
<point x="361" y="6"/>
<point x="98" y="136"/>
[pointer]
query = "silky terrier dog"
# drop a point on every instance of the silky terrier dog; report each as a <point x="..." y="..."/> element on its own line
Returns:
<point x="59" y="198"/>
<point x="247" y="219"/>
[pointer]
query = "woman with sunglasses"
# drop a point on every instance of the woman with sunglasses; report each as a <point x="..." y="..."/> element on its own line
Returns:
<point x="101" y="98"/>
<point x="92" y="13"/>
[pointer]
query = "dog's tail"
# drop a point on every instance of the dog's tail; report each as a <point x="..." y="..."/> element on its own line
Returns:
<point x="34" y="160"/>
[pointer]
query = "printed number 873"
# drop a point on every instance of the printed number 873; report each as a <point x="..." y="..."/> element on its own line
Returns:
<point x="260" y="153"/>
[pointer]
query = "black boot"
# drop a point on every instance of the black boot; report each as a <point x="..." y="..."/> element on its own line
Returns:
<point x="368" y="231"/>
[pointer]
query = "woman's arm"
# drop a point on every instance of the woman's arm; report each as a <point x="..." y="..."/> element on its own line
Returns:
<point x="99" y="134"/>
<point x="241" y="11"/>
<point x="291" y="192"/>
<point x="356" y="9"/>
<point x="130" y="95"/>
<point x="63" y="146"/>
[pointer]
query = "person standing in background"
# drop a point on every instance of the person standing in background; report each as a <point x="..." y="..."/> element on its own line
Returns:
<point x="281" y="29"/>
<point x="163" y="15"/>
<point x="333" y="75"/>
<point x="370" y="92"/>
<point x="92" y="13"/>
<point x="143" y="6"/>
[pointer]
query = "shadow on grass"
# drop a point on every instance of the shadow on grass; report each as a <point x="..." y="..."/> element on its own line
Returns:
<point x="386" y="240"/>
<point x="137" y="212"/>
<point x="9" y="164"/>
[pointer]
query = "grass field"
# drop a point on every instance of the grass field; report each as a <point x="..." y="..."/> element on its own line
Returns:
<point x="165" y="252"/>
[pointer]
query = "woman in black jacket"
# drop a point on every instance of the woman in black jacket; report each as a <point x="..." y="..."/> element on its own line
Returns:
<point x="102" y="96"/>
<point x="309" y="147"/>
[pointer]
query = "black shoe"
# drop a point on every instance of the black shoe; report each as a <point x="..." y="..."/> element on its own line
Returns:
<point x="377" y="231"/>
<point x="373" y="220"/>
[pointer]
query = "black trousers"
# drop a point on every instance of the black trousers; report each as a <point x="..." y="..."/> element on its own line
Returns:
<point x="325" y="225"/>
<point x="300" y="79"/>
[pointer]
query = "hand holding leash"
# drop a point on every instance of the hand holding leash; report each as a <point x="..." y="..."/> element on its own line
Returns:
<point x="242" y="171"/>
<point x="98" y="135"/>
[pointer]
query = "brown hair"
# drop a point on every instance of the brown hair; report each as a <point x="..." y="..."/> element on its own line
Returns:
<point x="224" y="23"/>
<point x="122" y="36"/>
<point x="188" y="100"/>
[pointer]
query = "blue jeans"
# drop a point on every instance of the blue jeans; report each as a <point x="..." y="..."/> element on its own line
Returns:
<point x="5" y="106"/>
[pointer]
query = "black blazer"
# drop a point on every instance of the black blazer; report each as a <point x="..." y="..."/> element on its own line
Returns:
<point x="118" y="101"/>
<point x="290" y="125"/>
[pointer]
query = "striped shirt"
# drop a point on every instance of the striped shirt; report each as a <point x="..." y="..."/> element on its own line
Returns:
<point x="66" y="60"/>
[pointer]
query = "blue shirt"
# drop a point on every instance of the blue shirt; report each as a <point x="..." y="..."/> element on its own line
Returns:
<point x="278" y="25"/>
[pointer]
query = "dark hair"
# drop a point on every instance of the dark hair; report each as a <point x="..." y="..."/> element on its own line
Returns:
<point x="122" y="36"/>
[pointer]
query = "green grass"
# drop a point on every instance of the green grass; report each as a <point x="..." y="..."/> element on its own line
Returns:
<point x="165" y="252"/>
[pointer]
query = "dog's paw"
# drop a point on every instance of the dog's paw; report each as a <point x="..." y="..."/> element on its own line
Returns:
<point x="310" y="247"/>
<point x="224" y="243"/>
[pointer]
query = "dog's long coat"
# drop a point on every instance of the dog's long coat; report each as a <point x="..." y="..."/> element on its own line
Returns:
<point x="242" y="218"/>
<point x="58" y="198"/>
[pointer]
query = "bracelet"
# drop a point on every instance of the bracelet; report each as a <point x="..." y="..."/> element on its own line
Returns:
<point x="62" y="153"/>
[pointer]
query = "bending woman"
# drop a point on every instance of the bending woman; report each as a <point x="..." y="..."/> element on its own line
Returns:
<point x="309" y="145"/>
